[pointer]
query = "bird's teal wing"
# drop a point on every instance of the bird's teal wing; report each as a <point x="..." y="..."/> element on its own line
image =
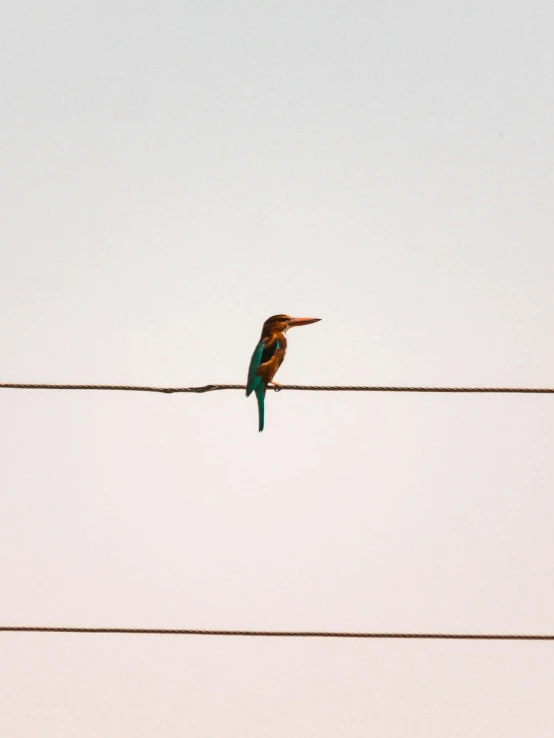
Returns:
<point x="262" y="353"/>
<point x="254" y="380"/>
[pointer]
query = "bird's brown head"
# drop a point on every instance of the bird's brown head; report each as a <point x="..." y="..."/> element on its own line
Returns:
<point x="281" y="323"/>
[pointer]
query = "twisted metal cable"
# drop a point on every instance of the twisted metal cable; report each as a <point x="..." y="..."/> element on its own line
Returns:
<point x="301" y="387"/>
<point x="281" y="633"/>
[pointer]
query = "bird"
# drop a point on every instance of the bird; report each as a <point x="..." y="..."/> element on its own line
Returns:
<point x="268" y="357"/>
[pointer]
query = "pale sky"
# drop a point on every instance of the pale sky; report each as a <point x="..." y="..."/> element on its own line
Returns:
<point x="172" y="173"/>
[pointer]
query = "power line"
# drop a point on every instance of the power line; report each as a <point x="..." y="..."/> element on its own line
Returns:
<point x="301" y="387"/>
<point x="280" y="633"/>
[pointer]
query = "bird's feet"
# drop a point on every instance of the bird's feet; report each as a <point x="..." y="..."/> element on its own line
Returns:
<point x="276" y="386"/>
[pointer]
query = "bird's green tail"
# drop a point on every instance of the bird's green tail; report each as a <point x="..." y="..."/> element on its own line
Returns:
<point x="260" y="396"/>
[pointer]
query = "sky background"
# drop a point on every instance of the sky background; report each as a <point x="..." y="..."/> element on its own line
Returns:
<point x="172" y="173"/>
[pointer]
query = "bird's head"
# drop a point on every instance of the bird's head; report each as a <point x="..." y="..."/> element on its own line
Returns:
<point x="281" y="323"/>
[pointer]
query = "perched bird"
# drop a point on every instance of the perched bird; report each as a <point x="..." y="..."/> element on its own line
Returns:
<point x="268" y="356"/>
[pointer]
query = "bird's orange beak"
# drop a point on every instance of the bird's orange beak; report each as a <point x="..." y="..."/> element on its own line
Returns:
<point x="293" y="322"/>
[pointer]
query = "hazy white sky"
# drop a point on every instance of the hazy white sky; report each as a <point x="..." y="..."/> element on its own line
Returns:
<point x="172" y="174"/>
